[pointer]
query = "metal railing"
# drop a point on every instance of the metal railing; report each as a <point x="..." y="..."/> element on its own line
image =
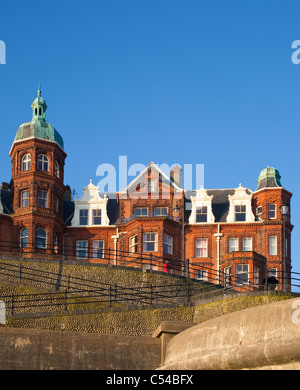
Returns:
<point x="152" y="263"/>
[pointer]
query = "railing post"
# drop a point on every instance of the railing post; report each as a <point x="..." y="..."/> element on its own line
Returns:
<point x="20" y="274"/>
<point x="150" y="261"/>
<point x="188" y="290"/>
<point x="108" y="255"/>
<point x="151" y="292"/>
<point x="110" y="296"/>
<point x="65" y="300"/>
<point x="68" y="287"/>
<point x="12" y="304"/>
<point x="187" y="268"/>
<point x="116" y="290"/>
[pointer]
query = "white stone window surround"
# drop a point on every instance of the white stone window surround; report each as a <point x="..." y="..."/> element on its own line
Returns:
<point x="90" y="200"/>
<point x="201" y="199"/>
<point x="240" y="198"/>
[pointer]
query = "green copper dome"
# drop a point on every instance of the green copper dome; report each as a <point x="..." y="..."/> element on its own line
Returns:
<point x="269" y="177"/>
<point x="38" y="127"/>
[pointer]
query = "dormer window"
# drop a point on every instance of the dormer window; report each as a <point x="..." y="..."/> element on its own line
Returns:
<point x="201" y="214"/>
<point x="201" y="207"/>
<point x="43" y="163"/>
<point x="240" y="213"/>
<point x="26" y="160"/>
<point x="91" y="209"/>
<point x="97" y="217"/>
<point x="240" y="207"/>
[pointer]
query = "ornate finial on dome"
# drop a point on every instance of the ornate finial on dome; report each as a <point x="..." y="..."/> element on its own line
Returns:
<point x="39" y="90"/>
<point x="39" y="106"/>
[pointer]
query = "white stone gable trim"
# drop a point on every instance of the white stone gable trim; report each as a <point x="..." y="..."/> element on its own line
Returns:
<point x="201" y="199"/>
<point x="90" y="200"/>
<point x="240" y="198"/>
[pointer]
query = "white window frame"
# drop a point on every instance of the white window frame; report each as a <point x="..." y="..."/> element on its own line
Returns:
<point x="150" y="238"/>
<point x="201" y="247"/>
<point x="83" y="216"/>
<point x="273" y="245"/>
<point x="244" y="213"/>
<point x="94" y="217"/>
<point x="200" y="214"/>
<point x="247" y="247"/>
<point x="233" y="244"/>
<point x="43" y="237"/>
<point x="24" y="237"/>
<point x="42" y="199"/>
<point x="160" y="211"/>
<point x="26" y="162"/>
<point x="152" y="185"/>
<point x="133" y="244"/>
<point x="82" y="249"/>
<point x="242" y="269"/>
<point x="142" y="213"/>
<point x="272" y="209"/>
<point x="55" y="243"/>
<point x="98" y="248"/>
<point x="43" y="163"/>
<point x="168" y="244"/>
<point x="259" y="212"/>
<point x="56" y="169"/>
<point x="255" y="275"/>
<point x="25" y="198"/>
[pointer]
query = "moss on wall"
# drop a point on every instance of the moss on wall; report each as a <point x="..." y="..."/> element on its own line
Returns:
<point x="122" y="322"/>
<point x="140" y="322"/>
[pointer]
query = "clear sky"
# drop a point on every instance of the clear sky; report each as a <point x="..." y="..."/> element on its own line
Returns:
<point x="169" y="81"/>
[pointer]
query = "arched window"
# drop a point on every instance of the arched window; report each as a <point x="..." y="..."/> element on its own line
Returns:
<point x="24" y="238"/>
<point x="56" y="169"/>
<point x="55" y="243"/>
<point x="41" y="238"/>
<point x="43" y="162"/>
<point x="26" y="160"/>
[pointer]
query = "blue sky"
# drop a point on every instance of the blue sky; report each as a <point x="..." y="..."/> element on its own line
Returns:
<point x="169" y="81"/>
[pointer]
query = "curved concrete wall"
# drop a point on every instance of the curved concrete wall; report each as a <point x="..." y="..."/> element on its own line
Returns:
<point x="267" y="336"/>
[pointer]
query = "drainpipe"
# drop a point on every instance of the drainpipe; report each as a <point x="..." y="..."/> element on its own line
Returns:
<point x="116" y="237"/>
<point x="218" y="237"/>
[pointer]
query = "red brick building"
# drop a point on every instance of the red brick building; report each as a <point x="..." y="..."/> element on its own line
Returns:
<point x="153" y="222"/>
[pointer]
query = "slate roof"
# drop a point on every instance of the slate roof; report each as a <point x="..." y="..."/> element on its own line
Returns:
<point x="6" y="201"/>
<point x="220" y="203"/>
<point x="112" y="210"/>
